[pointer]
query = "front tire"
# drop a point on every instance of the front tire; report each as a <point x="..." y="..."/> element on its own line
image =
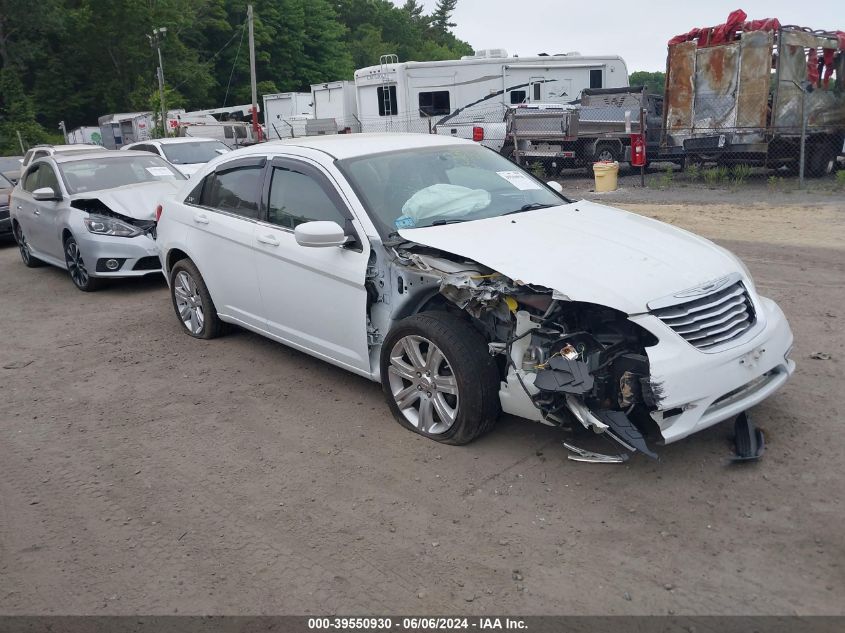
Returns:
<point x="192" y="301"/>
<point x="439" y="379"/>
<point x="76" y="268"/>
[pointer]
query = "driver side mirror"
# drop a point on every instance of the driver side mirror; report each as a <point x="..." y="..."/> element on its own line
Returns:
<point x="320" y="234"/>
<point x="553" y="184"/>
<point x="44" y="194"/>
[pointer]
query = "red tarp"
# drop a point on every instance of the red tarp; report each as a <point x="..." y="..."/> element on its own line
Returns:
<point x="713" y="35"/>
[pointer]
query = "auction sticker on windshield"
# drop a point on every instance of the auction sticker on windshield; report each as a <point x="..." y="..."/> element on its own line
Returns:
<point x="159" y="171"/>
<point x="519" y="180"/>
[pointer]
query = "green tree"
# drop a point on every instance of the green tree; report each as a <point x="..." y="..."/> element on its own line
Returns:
<point x="441" y="19"/>
<point x="653" y="81"/>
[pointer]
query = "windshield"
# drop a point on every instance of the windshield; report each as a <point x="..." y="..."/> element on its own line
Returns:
<point x="10" y="163"/>
<point x="193" y="152"/>
<point x="431" y="186"/>
<point x="107" y="173"/>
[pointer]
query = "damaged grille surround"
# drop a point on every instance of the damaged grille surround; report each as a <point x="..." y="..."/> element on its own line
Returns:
<point x="710" y="316"/>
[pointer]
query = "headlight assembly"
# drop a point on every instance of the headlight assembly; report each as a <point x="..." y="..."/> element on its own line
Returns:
<point x="102" y="225"/>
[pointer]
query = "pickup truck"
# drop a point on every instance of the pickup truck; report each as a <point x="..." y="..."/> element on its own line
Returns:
<point x="597" y="127"/>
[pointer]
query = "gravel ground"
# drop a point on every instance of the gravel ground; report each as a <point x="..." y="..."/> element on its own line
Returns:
<point x="142" y="471"/>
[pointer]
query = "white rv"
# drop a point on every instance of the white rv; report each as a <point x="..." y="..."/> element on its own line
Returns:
<point x="87" y="135"/>
<point x="285" y="114"/>
<point x="336" y="100"/>
<point x="234" y="134"/>
<point x="419" y="96"/>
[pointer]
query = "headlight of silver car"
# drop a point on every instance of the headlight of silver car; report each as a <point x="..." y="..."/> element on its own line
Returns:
<point x="102" y="225"/>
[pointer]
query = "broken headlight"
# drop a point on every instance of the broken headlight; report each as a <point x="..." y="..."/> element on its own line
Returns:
<point x="102" y="225"/>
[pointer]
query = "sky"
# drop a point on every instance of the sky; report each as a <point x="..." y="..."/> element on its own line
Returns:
<point x="637" y="31"/>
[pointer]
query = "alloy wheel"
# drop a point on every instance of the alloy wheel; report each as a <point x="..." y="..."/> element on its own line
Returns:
<point x="75" y="265"/>
<point x="188" y="302"/>
<point x="23" y="245"/>
<point x="423" y="385"/>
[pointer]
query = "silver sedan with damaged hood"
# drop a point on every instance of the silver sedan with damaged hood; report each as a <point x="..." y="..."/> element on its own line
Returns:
<point x="467" y="287"/>
<point x="92" y="214"/>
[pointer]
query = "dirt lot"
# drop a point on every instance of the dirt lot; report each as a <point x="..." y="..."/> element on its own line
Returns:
<point x="144" y="471"/>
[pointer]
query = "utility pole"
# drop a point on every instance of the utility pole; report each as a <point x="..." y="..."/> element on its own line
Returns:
<point x="256" y="129"/>
<point x="155" y="42"/>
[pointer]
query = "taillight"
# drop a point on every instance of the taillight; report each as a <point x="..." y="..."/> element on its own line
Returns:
<point x="478" y="134"/>
<point x="158" y="213"/>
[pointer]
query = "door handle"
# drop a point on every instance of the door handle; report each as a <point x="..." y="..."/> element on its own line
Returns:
<point x="19" y="207"/>
<point x="268" y="239"/>
<point x="37" y="212"/>
<point x="200" y="218"/>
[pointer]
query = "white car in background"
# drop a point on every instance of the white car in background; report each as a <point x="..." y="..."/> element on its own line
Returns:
<point x="41" y="151"/>
<point x="468" y="287"/>
<point x="187" y="154"/>
<point x="92" y="213"/>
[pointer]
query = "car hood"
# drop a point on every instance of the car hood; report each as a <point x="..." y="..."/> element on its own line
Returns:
<point x="586" y="251"/>
<point x="136" y="201"/>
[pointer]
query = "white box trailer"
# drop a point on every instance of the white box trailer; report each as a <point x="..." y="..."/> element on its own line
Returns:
<point x="421" y="96"/>
<point x="285" y="114"/>
<point x="87" y="134"/>
<point x="120" y="129"/>
<point x="336" y="100"/>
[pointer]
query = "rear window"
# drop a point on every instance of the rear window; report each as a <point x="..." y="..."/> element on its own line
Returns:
<point x="193" y="152"/>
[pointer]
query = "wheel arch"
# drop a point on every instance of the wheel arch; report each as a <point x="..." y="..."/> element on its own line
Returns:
<point x="174" y="255"/>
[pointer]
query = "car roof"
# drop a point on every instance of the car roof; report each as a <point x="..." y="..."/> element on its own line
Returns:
<point x="180" y="139"/>
<point x="352" y="145"/>
<point x="95" y="154"/>
<point x="78" y="147"/>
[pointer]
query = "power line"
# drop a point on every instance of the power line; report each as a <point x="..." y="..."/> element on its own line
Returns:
<point x="237" y="55"/>
<point x="213" y="57"/>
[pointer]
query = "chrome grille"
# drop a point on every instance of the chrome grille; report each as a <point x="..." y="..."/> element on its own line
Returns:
<point x="711" y="320"/>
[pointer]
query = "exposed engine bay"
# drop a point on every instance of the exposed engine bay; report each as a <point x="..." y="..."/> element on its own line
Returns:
<point x="558" y="359"/>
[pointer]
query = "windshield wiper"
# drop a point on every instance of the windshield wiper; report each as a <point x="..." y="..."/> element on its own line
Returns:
<point x="530" y="207"/>
<point x="443" y="221"/>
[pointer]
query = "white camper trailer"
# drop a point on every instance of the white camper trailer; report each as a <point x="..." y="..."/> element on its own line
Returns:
<point x="86" y="135"/>
<point x="285" y="114"/>
<point x="418" y="96"/>
<point x="129" y="127"/>
<point x="336" y="100"/>
<point x="235" y="134"/>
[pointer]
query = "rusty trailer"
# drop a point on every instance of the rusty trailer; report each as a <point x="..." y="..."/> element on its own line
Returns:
<point x="737" y="94"/>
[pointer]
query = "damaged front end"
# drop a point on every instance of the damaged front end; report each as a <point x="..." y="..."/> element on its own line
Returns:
<point x="558" y="359"/>
<point x="106" y="221"/>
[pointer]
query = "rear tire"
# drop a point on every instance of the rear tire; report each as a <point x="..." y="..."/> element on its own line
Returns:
<point x="607" y="152"/>
<point x="439" y="379"/>
<point x="192" y="301"/>
<point x="28" y="259"/>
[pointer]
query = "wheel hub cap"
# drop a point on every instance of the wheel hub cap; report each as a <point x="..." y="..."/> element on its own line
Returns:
<point x="188" y="302"/>
<point x="423" y="385"/>
<point x="75" y="265"/>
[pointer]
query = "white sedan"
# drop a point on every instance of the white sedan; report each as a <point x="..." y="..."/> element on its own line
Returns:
<point x="186" y="153"/>
<point x="468" y="287"/>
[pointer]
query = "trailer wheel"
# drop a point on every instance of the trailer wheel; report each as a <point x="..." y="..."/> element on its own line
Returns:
<point x="821" y="159"/>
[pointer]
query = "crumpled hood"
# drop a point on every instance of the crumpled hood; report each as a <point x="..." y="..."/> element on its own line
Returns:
<point x="136" y="201"/>
<point x="586" y="251"/>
